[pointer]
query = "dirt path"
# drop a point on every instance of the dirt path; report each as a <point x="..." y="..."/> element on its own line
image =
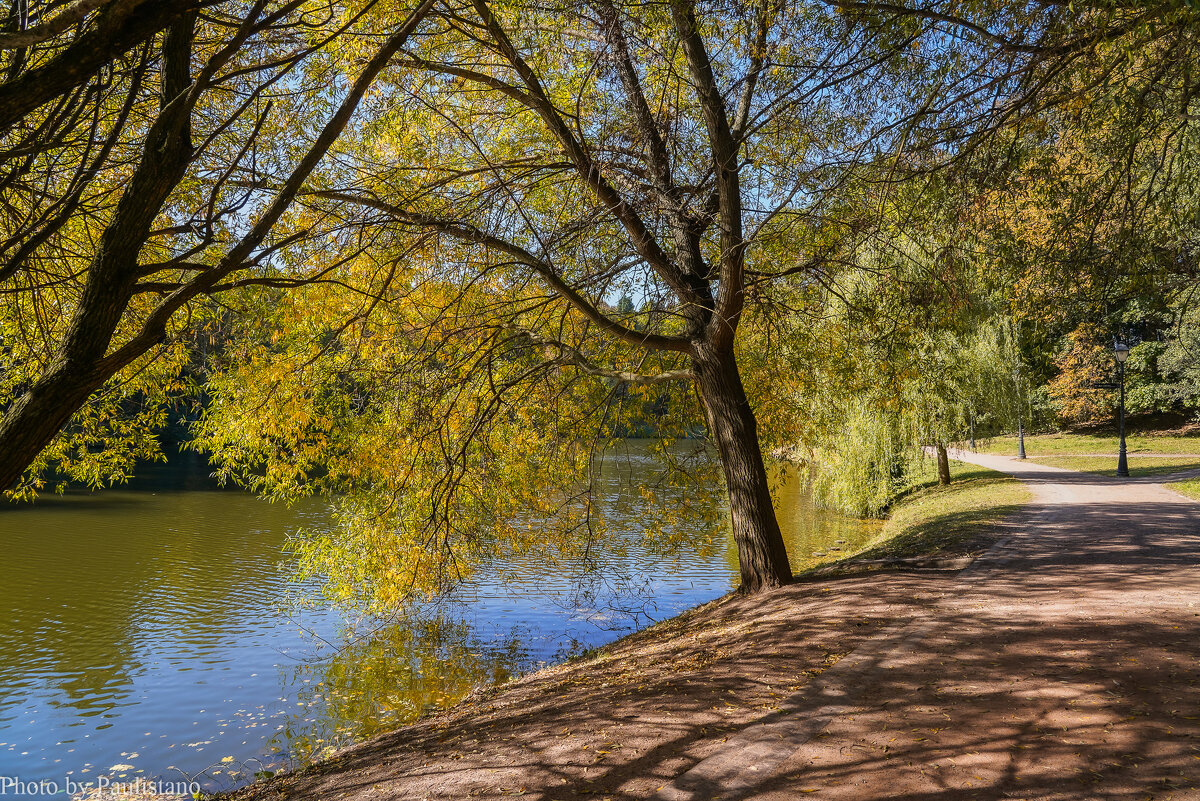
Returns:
<point x="1063" y="664"/>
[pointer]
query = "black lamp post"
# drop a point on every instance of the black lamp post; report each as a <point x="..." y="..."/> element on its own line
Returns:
<point x="1020" y="413"/>
<point x="1122" y="352"/>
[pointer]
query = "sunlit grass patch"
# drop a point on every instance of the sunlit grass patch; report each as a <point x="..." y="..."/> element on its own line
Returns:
<point x="1052" y="444"/>
<point x="1107" y="465"/>
<point x="1190" y="488"/>
<point x="933" y="521"/>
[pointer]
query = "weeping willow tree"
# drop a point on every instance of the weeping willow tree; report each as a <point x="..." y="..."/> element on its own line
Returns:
<point x="930" y="392"/>
<point x="907" y="349"/>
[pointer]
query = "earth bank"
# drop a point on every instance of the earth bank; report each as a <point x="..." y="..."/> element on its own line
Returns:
<point x="624" y="720"/>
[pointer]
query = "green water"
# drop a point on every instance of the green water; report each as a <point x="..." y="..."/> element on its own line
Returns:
<point x="152" y="631"/>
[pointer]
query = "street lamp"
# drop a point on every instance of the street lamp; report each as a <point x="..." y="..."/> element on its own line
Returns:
<point x="1020" y="412"/>
<point x="1122" y="352"/>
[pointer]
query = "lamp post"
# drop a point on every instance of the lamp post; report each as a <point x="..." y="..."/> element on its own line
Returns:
<point x="1020" y="413"/>
<point x="1122" y="352"/>
<point x="1020" y="435"/>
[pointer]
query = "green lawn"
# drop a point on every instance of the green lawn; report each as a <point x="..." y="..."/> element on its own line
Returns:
<point x="1055" y="444"/>
<point x="1107" y="465"/>
<point x="937" y="521"/>
<point x="1190" y="488"/>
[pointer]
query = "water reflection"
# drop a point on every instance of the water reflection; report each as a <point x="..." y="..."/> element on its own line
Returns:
<point x="149" y="627"/>
<point x="398" y="674"/>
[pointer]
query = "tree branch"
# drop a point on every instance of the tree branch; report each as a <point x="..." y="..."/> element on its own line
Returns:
<point x="71" y="15"/>
<point x="573" y="357"/>
<point x="731" y="292"/>
<point x="640" y="235"/>
<point x="466" y="232"/>
<point x="154" y="327"/>
<point x="78" y="62"/>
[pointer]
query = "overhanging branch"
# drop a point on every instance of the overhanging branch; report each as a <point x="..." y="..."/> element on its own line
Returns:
<point x="466" y="232"/>
<point x="568" y="355"/>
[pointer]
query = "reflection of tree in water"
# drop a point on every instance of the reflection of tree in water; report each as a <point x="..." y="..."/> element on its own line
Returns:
<point x="661" y="512"/>
<point x="659" y="504"/>
<point x="404" y="670"/>
<point x="100" y="586"/>
<point x="661" y="517"/>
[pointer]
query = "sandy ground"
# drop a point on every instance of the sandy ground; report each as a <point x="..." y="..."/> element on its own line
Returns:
<point x="1062" y="664"/>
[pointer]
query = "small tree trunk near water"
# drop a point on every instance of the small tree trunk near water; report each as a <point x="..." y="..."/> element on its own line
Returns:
<point x="762" y="555"/>
<point x="943" y="460"/>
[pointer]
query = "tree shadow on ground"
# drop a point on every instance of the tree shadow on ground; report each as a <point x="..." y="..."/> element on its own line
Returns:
<point x="1061" y="666"/>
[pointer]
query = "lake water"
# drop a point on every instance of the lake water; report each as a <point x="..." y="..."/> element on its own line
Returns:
<point x="152" y="630"/>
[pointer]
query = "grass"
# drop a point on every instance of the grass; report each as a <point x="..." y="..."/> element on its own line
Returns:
<point x="1190" y="488"/>
<point x="1107" y="465"/>
<point x="933" y="521"/>
<point x="1062" y="444"/>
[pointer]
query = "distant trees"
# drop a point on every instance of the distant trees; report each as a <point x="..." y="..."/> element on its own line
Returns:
<point x="1087" y="361"/>
<point x="1093" y="220"/>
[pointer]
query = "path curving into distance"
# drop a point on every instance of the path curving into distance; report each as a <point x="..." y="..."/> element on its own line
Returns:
<point x="1064" y="663"/>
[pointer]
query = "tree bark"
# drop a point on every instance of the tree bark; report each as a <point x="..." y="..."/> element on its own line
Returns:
<point x="37" y="416"/>
<point x="762" y="555"/>
<point x="114" y="36"/>
<point x="83" y="361"/>
<point x="79" y="366"/>
<point x="943" y="460"/>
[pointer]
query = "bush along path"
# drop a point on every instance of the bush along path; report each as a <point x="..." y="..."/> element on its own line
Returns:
<point x="1062" y="664"/>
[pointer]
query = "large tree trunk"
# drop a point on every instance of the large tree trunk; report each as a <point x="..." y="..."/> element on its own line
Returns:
<point x="762" y="555"/>
<point x="80" y="366"/>
<point x="36" y="417"/>
<point x="943" y="460"/>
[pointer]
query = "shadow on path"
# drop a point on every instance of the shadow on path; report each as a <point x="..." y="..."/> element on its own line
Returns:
<point x="1063" y="664"/>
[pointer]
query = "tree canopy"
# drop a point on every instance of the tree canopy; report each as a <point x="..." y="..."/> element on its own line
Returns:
<point x="430" y="257"/>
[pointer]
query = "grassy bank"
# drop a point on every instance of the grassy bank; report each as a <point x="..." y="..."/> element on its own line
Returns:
<point x="1107" y="465"/>
<point x="1064" y="444"/>
<point x="931" y="522"/>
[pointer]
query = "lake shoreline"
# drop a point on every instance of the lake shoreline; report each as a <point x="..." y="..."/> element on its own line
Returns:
<point x="629" y="716"/>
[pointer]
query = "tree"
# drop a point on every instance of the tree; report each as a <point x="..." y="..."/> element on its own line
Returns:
<point x="655" y="153"/>
<point x="126" y="200"/>
<point x="1086" y="362"/>
<point x="668" y="154"/>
